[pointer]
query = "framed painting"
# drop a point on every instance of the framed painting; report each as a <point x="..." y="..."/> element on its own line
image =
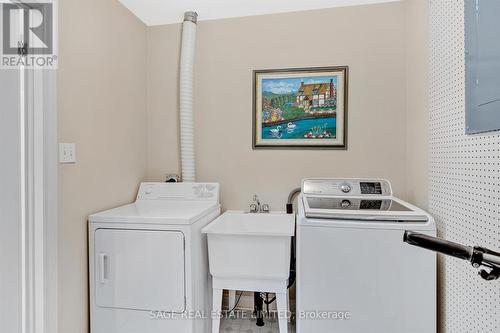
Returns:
<point x="300" y="108"/>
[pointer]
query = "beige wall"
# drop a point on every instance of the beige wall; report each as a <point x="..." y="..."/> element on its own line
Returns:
<point x="418" y="34"/>
<point x="371" y="40"/>
<point x="102" y="107"/>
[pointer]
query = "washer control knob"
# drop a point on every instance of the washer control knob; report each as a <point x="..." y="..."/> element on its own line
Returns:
<point x="346" y="188"/>
<point x="345" y="204"/>
<point x="149" y="190"/>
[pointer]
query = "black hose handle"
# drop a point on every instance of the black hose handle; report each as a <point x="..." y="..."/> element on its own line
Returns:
<point x="438" y="245"/>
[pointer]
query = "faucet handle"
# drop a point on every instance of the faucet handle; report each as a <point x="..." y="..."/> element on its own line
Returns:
<point x="265" y="208"/>
<point x="255" y="198"/>
<point x="253" y="208"/>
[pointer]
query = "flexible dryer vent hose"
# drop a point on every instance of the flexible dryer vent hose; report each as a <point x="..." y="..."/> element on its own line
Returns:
<point x="186" y="97"/>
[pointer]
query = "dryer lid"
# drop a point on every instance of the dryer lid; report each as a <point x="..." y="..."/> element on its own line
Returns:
<point x="157" y="212"/>
<point x="165" y="203"/>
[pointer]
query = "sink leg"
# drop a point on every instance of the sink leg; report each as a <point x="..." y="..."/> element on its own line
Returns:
<point x="216" y="310"/>
<point x="281" y="300"/>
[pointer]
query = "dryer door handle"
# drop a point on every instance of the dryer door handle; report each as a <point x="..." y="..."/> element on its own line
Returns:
<point x="103" y="267"/>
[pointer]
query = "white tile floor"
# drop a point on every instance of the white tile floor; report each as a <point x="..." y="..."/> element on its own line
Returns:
<point x="246" y="324"/>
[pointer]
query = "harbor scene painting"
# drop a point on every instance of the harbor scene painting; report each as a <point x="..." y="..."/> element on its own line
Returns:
<point x="300" y="108"/>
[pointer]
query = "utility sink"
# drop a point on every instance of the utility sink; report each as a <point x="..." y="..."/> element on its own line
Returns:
<point x="250" y="245"/>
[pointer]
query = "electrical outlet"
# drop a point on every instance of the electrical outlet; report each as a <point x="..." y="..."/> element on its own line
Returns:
<point x="67" y="153"/>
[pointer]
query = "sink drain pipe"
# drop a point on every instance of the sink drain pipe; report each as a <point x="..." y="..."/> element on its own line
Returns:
<point x="186" y="96"/>
<point x="258" y="305"/>
<point x="289" y="210"/>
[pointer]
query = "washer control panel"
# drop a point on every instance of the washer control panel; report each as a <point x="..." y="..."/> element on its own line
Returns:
<point x="347" y="187"/>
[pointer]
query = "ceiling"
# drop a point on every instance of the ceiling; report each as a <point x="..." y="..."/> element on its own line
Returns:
<point x="157" y="12"/>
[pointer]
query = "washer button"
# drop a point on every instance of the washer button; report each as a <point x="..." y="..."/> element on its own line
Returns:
<point x="345" y="204"/>
<point x="346" y="188"/>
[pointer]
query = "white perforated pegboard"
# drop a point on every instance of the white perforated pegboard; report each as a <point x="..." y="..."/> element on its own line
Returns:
<point x="464" y="180"/>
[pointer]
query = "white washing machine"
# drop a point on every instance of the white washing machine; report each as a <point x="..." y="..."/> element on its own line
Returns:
<point x="148" y="261"/>
<point x="354" y="272"/>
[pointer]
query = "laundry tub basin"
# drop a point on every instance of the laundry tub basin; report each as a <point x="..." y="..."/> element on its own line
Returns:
<point x="250" y="246"/>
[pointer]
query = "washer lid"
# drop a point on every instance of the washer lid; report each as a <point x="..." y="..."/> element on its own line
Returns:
<point x="157" y="212"/>
<point x="388" y="209"/>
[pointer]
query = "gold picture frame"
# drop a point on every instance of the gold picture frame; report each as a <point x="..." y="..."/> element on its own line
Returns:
<point x="300" y="108"/>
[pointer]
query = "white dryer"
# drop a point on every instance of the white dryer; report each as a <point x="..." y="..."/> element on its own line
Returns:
<point x="354" y="272"/>
<point x="148" y="261"/>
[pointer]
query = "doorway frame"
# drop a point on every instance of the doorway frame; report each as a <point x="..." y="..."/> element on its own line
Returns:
<point x="40" y="285"/>
<point x="40" y="207"/>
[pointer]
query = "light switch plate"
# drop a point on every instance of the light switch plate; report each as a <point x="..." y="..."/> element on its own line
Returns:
<point x="67" y="153"/>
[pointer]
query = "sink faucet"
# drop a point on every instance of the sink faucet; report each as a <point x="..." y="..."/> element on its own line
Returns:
<point x="257" y="207"/>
